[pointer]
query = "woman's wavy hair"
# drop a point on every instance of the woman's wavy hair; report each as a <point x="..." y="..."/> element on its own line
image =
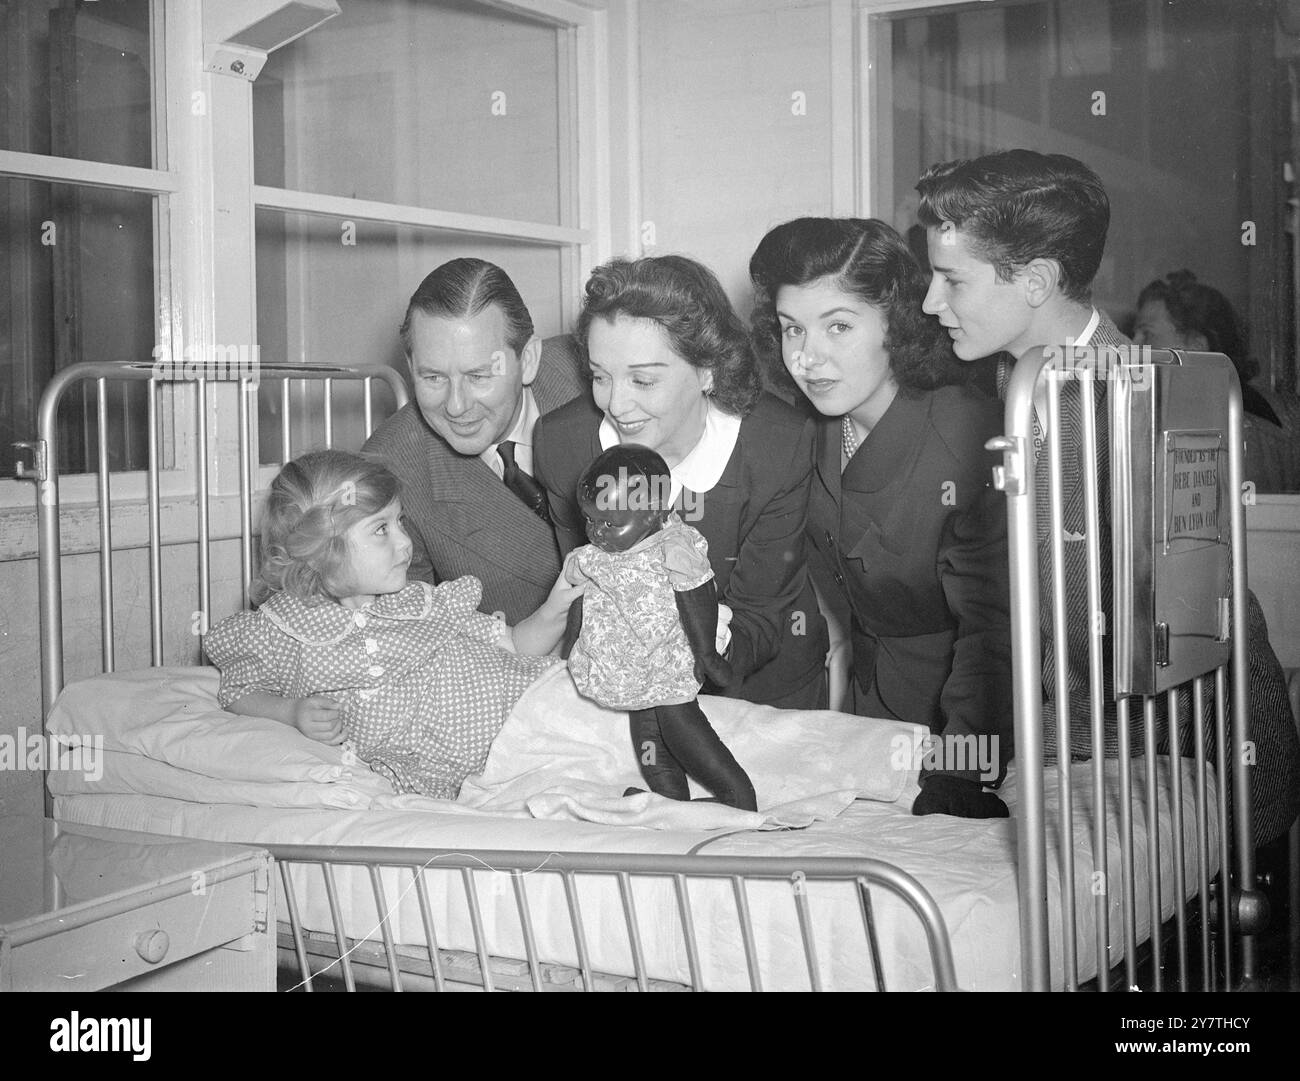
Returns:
<point x="313" y="502"/>
<point x="865" y="258"/>
<point x="1195" y="307"/>
<point x="689" y="303"/>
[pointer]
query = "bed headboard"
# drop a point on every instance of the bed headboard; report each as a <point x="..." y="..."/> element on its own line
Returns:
<point x="211" y="438"/>
<point x="1127" y="545"/>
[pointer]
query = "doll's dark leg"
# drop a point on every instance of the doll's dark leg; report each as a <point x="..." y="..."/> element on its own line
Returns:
<point x="662" y="772"/>
<point x="705" y="757"/>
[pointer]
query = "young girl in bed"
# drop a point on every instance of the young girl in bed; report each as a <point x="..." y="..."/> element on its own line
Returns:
<point x="343" y="647"/>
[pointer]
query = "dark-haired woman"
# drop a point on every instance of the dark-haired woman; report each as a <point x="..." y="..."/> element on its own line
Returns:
<point x="1178" y="312"/>
<point x="901" y="513"/>
<point x="672" y="368"/>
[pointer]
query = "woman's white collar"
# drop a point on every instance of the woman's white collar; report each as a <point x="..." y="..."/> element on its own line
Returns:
<point x="700" y="470"/>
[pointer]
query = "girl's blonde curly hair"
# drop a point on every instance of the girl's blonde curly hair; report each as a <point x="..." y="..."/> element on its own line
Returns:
<point x="313" y="502"/>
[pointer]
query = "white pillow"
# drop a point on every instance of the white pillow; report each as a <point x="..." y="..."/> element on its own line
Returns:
<point x="171" y="715"/>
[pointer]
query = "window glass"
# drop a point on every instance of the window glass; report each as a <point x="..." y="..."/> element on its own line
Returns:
<point x="1182" y="109"/>
<point x="80" y="266"/>
<point x="384" y="101"/>
<point x="335" y="292"/>
<point x="77" y="80"/>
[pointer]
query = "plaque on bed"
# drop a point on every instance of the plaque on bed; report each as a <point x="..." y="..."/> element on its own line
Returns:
<point x="1171" y="491"/>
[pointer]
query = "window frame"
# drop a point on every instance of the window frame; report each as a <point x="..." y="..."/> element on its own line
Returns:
<point x="874" y="188"/>
<point x="584" y="163"/>
<point x="167" y="187"/>
<point x="204" y="290"/>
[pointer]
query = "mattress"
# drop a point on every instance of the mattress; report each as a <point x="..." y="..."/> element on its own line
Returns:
<point x="968" y="867"/>
<point x="170" y="761"/>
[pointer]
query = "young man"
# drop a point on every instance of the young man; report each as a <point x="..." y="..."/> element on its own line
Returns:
<point x="1015" y="240"/>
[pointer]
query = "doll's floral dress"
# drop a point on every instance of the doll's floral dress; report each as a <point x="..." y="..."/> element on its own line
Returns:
<point x="632" y="652"/>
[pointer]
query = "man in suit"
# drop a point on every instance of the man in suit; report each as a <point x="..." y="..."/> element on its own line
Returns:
<point x="463" y="448"/>
<point x="1014" y="241"/>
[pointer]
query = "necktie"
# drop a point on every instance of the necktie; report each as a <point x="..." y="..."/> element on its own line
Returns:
<point x="532" y="494"/>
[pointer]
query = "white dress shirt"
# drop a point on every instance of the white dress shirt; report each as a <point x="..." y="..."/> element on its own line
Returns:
<point x="521" y="435"/>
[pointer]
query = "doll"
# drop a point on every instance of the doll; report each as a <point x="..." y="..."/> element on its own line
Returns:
<point x="642" y="636"/>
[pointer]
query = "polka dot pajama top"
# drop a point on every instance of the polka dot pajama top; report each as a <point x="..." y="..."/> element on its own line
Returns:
<point x="423" y="687"/>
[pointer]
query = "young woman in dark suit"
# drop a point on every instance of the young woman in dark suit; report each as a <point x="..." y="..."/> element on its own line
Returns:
<point x="672" y="369"/>
<point x="908" y="531"/>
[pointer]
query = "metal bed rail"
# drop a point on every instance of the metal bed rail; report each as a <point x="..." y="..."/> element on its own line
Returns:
<point x="433" y="967"/>
<point x="201" y="378"/>
<point x="1040" y="570"/>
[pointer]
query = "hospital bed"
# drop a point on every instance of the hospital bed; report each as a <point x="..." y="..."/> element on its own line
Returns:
<point x="379" y="888"/>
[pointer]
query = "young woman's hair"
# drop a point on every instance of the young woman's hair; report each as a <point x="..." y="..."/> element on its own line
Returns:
<point x="1197" y="308"/>
<point x="464" y="287"/>
<point x="1020" y="205"/>
<point x="689" y="303"/>
<point x="312" y="504"/>
<point x="866" y="259"/>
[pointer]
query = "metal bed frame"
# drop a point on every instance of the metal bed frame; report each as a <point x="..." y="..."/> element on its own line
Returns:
<point x="388" y="962"/>
<point x="332" y="954"/>
<point x="1236" y="912"/>
<point x="433" y="968"/>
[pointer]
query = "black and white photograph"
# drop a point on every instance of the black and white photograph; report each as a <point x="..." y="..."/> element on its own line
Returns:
<point x="651" y="495"/>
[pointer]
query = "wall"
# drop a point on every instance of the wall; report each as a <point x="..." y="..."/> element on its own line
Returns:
<point x="1273" y="561"/>
<point x="735" y="123"/>
<point x="20" y="694"/>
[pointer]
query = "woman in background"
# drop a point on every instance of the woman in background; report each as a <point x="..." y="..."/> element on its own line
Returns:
<point x="671" y="369"/>
<point x="902" y="514"/>
<point x="1178" y="312"/>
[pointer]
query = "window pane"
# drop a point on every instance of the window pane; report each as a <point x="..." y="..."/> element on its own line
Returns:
<point x="80" y="263"/>
<point x="383" y="101"/>
<point x="77" y="80"/>
<point x="322" y="300"/>
<point x="1182" y="109"/>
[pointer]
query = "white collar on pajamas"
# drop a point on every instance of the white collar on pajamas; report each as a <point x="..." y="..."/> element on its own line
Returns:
<point x="700" y="470"/>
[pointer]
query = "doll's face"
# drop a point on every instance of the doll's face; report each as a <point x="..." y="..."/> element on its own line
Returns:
<point x="621" y="512"/>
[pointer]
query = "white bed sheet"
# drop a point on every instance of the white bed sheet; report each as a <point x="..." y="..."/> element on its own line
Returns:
<point x="558" y="755"/>
<point x="969" y="868"/>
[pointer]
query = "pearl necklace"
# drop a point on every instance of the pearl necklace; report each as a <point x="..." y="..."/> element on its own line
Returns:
<point x="848" y="438"/>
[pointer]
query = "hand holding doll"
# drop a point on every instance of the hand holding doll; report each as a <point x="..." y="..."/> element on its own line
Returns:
<point x="643" y="637"/>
